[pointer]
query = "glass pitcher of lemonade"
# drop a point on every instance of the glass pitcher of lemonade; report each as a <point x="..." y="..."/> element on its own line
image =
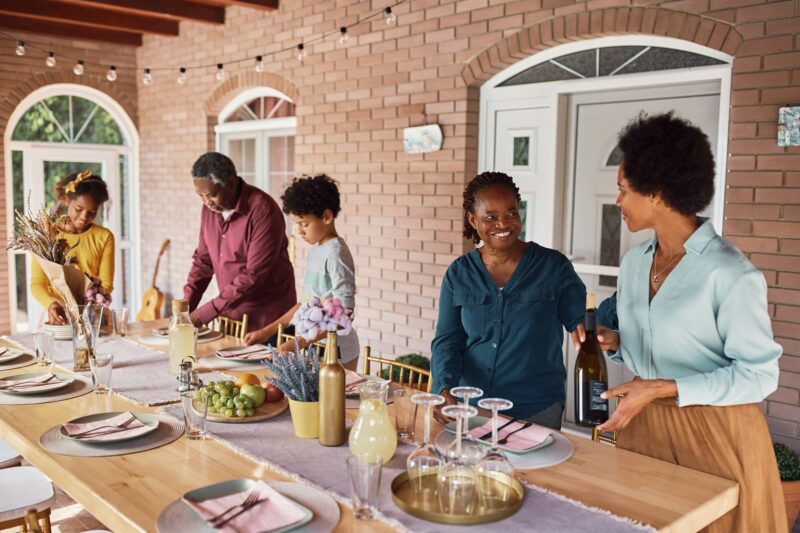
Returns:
<point x="373" y="431"/>
<point x="182" y="335"/>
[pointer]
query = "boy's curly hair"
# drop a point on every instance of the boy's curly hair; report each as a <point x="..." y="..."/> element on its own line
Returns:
<point x="312" y="196"/>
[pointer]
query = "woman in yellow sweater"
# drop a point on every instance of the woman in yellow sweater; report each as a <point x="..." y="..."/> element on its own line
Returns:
<point x="82" y="195"/>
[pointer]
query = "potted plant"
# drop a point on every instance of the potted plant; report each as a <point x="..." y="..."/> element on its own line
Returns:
<point x="297" y="375"/>
<point x="789" y="468"/>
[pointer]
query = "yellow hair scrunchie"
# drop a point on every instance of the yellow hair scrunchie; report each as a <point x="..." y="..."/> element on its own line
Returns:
<point x="70" y="188"/>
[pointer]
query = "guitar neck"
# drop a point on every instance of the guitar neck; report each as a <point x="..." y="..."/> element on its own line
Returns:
<point x="164" y="246"/>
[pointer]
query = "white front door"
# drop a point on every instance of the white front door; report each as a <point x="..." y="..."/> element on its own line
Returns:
<point x="43" y="168"/>
<point x="524" y="148"/>
<point x="595" y="234"/>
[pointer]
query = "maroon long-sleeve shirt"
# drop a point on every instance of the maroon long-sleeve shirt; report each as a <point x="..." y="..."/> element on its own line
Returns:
<point x="248" y="254"/>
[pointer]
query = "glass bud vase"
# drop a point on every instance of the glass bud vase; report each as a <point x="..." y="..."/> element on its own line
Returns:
<point x="85" y="329"/>
<point x="373" y="432"/>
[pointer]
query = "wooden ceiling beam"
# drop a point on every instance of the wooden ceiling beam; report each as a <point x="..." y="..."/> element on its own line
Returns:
<point x="48" y="10"/>
<point x="172" y="9"/>
<point x="70" y="30"/>
<point x="268" y="5"/>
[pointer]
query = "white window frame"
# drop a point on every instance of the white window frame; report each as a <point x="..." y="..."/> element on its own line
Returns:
<point x="130" y="148"/>
<point x="554" y="94"/>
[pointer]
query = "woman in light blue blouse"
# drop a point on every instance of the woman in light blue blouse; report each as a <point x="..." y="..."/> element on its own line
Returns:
<point x="693" y="327"/>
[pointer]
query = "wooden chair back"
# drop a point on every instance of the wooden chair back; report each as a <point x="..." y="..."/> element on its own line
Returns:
<point x="402" y="373"/>
<point x="229" y="326"/>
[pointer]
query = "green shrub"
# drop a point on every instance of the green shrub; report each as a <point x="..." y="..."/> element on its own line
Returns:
<point x="788" y="463"/>
<point x="413" y="359"/>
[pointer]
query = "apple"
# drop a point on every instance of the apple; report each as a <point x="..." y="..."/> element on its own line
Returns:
<point x="255" y="392"/>
<point x="274" y="394"/>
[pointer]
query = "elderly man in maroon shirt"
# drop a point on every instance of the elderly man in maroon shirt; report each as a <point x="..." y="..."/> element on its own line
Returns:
<point x="243" y="243"/>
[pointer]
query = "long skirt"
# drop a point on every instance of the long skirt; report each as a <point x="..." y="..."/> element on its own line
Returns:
<point x="731" y="442"/>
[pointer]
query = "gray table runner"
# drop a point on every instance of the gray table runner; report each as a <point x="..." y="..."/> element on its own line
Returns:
<point x="273" y="442"/>
<point x="140" y="374"/>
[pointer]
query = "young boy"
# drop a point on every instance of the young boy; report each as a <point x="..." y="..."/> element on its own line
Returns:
<point x="313" y="203"/>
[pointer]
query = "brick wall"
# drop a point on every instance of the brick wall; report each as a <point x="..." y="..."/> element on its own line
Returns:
<point x="19" y="76"/>
<point x="402" y="213"/>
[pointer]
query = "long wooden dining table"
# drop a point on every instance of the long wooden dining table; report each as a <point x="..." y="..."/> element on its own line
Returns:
<point x="128" y="492"/>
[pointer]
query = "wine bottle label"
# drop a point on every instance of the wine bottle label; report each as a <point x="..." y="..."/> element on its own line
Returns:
<point x="596" y="388"/>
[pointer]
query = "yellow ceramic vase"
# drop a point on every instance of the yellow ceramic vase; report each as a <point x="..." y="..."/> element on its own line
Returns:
<point x="305" y="417"/>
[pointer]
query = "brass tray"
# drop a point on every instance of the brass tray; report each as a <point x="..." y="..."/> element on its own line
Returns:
<point x="504" y="485"/>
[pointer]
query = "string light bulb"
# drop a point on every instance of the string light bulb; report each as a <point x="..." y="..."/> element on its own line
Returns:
<point x="343" y="36"/>
<point x="20" y="50"/>
<point x="78" y="68"/>
<point x="301" y="52"/>
<point x="51" y="60"/>
<point x="391" y="18"/>
<point x="181" y="76"/>
<point x="147" y="78"/>
<point x="220" y="72"/>
<point x="111" y="75"/>
<point x="260" y="66"/>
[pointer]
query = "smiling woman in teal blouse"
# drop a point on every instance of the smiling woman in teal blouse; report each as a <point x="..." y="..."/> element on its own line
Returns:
<point x="693" y="327"/>
<point x="503" y="309"/>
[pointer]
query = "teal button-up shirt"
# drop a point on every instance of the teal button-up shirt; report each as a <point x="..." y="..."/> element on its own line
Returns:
<point x="508" y="342"/>
<point x="707" y="327"/>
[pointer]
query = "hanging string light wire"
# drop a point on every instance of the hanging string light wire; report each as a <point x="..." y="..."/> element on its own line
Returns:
<point x="382" y="13"/>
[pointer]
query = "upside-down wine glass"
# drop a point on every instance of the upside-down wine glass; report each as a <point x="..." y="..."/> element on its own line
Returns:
<point x="457" y="480"/>
<point x="491" y="493"/>
<point x="426" y="460"/>
<point x="471" y="451"/>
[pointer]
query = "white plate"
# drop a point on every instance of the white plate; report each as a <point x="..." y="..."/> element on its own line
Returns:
<point x="478" y="421"/>
<point x="146" y="419"/>
<point x="10" y="354"/>
<point x="66" y="380"/>
<point x="178" y="517"/>
<point x="202" y="331"/>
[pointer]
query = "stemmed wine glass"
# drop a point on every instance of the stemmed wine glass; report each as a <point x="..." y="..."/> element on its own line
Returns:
<point x="470" y="450"/>
<point x="426" y="459"/>
<point x="457" y="479"/>
<point x="491" y="494"/>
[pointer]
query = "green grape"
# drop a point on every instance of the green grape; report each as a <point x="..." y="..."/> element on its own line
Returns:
<point x="218" y="404"/>
<point x="235" y="391"/>
<point x="231" y="404"/>
<point x="248" y="402"/>
<point x="212" y="409"/>
<point x="215" y="397"/>
<point x="230" y="384"/>
<point x="238" y="402"/>
<point x="220" y="388"/>
<point x="211" y="384"/>
<point x="250" y="412"/>
<point x="241" y="413"/>
<point x="228" y="412"/>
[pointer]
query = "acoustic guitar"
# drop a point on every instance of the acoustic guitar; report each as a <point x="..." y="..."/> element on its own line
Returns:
<point x="153" y="299"/>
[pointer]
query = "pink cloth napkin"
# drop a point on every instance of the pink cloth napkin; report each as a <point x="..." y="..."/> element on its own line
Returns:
<point x="527" y="438"/>
<point x="352" y="380"/>
<point x="256" y="351"/>
<point x="275" y="512"/>
<point x="30" y="384"/>
<point x="108" y="429"/>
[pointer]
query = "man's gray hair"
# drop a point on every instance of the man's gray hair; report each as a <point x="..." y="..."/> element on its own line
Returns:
<point x="214" y="166"/>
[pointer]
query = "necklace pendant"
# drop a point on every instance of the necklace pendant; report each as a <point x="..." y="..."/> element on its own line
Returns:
<point x="655" y="280"/>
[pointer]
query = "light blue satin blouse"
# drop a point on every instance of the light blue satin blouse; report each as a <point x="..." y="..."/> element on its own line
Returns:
<point x="707" y="327"/>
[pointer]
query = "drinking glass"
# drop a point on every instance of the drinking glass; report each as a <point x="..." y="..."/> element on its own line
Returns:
<point x="424" y="462"/>
<point x="120" y="315"/>
<point x="101" y="365"/>
<point x="365" y="480"/>
<point x="405" y="413"/>
<point x="470" y="451"/>
<point x="43" y="342"/>
<point x="494" y="495"/>
<point x="195" y="414"/>
<point x="457" y="480"/>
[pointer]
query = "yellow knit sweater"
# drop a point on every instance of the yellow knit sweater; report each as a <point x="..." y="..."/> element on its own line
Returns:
<point x="94" y="256"/>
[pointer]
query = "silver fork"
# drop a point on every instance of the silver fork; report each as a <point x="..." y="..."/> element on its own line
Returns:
<point x="251" y="499"/>
<point x="121" y="426"/>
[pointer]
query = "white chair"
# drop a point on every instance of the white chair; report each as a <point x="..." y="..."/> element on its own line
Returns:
<point x="8" y="456"/>
<point x="24" y="488"/>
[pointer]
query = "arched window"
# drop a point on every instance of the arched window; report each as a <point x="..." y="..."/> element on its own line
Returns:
<point x="256" y="129"/>
<point x="61" y="129"/>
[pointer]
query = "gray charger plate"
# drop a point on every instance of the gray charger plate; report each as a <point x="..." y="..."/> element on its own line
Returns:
<point x="178" y="517"/>
<point x="148" y="420"/>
